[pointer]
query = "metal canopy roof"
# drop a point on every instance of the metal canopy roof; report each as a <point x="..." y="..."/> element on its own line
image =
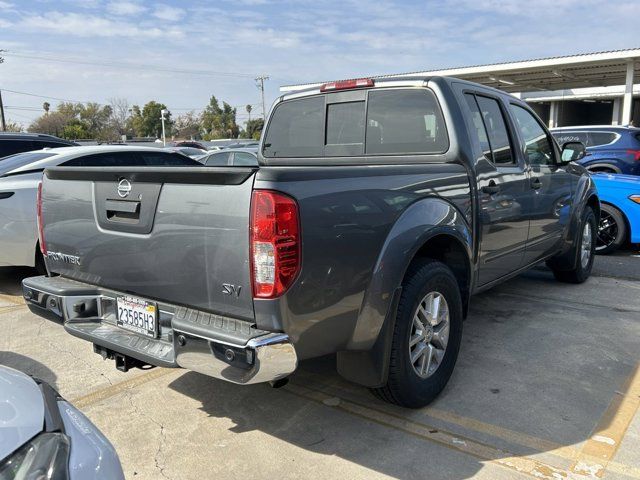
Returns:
<point x="599" y="69"/>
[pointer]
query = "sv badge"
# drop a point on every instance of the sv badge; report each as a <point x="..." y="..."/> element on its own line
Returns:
<point x="229" y="289"/>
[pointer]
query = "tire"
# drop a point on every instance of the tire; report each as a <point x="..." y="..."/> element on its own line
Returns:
<point x="427" y="282"/>
<point x="581" y="271"/>
<point x="612" y="230"/>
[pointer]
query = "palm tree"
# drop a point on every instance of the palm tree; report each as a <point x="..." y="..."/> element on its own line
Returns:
<point x="249" y="111"/>
<point x="46" y="106"/>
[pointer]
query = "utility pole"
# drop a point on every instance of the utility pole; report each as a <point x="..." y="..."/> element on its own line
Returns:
<point x="163" y="112"/>
<point x="260" y="84"/>
<point x="3" y="124"/>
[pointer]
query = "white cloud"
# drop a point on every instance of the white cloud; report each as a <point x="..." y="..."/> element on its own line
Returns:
<point x="4" y="23"/>
<point x="78" y="25"/>
<point x="125" y="8"/>
<point x="166" y="12"/>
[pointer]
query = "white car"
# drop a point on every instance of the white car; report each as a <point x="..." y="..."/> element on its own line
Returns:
<point x="21" y="173"/>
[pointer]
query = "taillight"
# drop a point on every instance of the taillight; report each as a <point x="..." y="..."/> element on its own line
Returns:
<point x="41" y="241"/>
<point x="635" y="153"/>
<point x="275" y="243"/>
<point x="347" y="84"/>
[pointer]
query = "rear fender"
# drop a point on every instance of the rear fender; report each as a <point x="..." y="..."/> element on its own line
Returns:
<point x="366" y="359"/>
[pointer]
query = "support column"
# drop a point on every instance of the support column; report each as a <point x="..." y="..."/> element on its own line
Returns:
<point x="627" y="102"/>
<point x="615" y="115"/>
<point x="553" y="114"/>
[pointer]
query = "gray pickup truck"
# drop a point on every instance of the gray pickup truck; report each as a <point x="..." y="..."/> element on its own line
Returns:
<point x="378" y="208"/>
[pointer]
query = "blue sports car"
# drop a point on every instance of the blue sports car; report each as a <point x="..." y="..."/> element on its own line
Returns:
<point x="610" y="149"/>
<point x="620" y="215"/>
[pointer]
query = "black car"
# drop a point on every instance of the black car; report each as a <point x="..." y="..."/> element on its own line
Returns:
<point x="11" y="143"/>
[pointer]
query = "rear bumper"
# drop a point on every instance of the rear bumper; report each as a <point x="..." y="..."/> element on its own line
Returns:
<point x="221" y="347"/>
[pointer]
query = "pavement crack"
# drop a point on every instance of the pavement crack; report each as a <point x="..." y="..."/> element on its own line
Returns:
<point x="159" y="458"/>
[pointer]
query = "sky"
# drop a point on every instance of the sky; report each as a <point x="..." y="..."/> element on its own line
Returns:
<point x="182" y="52"/>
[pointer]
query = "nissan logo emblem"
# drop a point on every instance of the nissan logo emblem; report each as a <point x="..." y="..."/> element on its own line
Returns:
<point x="124" y="188"/>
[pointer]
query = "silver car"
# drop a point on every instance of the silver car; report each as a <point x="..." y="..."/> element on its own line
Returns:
<point x="45" y="437"/>
<point x="21" y="173"/>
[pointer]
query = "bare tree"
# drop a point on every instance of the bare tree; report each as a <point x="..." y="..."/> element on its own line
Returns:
<point x="120" y="113"/>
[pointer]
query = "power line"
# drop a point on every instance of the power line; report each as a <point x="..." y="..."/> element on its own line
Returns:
<point x="48" y="97"/>
<point x="138" y="66"/>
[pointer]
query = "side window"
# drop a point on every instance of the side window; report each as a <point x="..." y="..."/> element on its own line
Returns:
<point x="478" y="124"/>
<point x="405" y="121"/>
<point x="601" y="138"/>
<point x="501" y="151"/>
<point x="564" y="136"/>
<point x="538" y="145"/>
<point x="218" y="159"/>
<point x="244" y="159"/>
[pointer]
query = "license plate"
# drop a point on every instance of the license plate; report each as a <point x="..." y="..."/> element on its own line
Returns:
<point x="137" y="315"/>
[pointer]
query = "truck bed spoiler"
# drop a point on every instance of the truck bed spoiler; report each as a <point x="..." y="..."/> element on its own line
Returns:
<point x="190" y="175"/>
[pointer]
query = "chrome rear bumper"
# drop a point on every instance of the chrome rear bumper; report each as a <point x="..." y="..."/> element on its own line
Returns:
<point x="221" y="347"/>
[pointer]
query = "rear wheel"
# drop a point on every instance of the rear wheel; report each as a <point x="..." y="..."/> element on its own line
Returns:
<point x="426" y="337"/>
<point x="584" y="248"/>
<point x="612" y="230"/>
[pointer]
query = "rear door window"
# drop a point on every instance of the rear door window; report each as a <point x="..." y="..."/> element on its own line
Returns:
<point x="501" y="151"/>
<point x="478" y="125"/>
<point x="402" y="121"/>
<point x="218" y="159"/>
<point x="601" y="138"/>
<point x="296" y="129"/>
<point x="564" y="136"/>
<point x="244" y="159"/>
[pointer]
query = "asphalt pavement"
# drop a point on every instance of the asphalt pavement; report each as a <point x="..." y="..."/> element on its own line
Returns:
<point x="547" y="385"/>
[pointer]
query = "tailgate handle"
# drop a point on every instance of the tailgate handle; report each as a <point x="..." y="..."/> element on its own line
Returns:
<point x="122" y="211"/>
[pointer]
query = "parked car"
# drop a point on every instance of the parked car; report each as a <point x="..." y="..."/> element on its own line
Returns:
<point x="45" y="437"/>
<point x="236" y="156"/>
<point x="11" y="143"/>
<point x="246" y="144"/>
<point x="363" y="233"/>
<point x="610" y="149"/>
<point x="620" y="211"/>
<point x="19" y="178"/>
<point x="190" y="143"/>
<point x="188" y="151"/>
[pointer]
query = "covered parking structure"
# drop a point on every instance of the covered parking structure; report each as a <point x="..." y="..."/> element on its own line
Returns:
<point x="585" y="89"/>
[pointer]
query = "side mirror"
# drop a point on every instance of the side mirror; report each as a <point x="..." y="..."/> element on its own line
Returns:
<point x="573" y="151"/>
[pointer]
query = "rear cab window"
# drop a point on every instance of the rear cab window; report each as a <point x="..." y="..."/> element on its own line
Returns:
<point x="384" y="121"/>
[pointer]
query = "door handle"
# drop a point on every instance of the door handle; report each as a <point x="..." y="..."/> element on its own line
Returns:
<point x="491" y="189"/>
<point x="536" y="183"/>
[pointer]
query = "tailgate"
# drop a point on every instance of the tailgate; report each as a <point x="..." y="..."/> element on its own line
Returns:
<point x="176" y="234"/>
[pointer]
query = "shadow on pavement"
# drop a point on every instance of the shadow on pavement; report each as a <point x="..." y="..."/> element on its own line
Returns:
<point x="11" y="279"/>
<point x="539" y="369"/>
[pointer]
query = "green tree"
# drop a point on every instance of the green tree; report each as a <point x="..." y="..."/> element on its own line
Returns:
<point x="253" y="129"/>
<point x="147" y="122"/>
<point x="212" y="118"/>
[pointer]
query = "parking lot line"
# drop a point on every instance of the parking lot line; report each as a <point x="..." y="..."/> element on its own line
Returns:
<point x="116" y="388"/>
<point x="15" y="299"/>
<point x="459" y="443"/>
<point x="598" y="451"/>
<point x="538" y="445"/>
